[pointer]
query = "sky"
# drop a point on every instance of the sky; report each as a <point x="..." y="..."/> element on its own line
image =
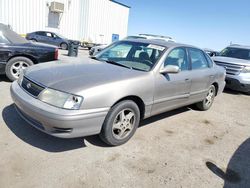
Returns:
<point x="204" y="23"/>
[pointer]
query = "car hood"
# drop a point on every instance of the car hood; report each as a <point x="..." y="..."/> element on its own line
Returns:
<point x="78" y="76"/>
<point x="231" y="60"/>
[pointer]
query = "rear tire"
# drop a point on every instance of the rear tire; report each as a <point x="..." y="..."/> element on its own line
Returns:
<point x="64" y="46"/>
<point x="208" y="101"/>
<point x="15" y="65"/>
<point x="120" y="123"/>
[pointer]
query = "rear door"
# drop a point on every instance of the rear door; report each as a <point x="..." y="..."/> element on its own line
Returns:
<point x="201" y="76"/>
<point x="172" y="90"/>
<point x="40" y="36"/>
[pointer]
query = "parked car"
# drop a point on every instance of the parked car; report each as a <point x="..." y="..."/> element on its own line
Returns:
<point x="157" y="37"/>
<point x="50" y="38"/>
<point x="94" y="50"/>
<point x="236" y="60"/>
<point x="16" y="53"/>
<point x="109" y="94"/>
<point x="211" y="52"/>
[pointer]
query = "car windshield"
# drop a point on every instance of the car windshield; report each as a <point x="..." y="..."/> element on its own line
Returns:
<point x="12" y="36"/>
<point x="133" y="55"/>
<point x="236" y="53"/>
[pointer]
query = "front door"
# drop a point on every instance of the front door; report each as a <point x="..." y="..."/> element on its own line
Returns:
<point x="172" y="90"/>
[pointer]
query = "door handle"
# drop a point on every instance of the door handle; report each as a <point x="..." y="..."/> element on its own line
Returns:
<point x="211" y="76"/>
<point x="187" y="80"/>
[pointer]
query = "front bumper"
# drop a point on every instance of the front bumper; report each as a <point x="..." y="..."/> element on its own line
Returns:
<point x="235" y="84"/>
<point x="55" y="121"/>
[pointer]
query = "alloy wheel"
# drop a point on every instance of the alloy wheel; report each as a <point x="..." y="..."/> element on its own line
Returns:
<point x="17" y="67"/>
<point x="123" y="124"/>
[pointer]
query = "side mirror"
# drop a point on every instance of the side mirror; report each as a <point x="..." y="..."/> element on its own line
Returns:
<point x="170" y="69"/>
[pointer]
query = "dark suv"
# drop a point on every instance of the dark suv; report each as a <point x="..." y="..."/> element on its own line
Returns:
<point x="16" y="53"/>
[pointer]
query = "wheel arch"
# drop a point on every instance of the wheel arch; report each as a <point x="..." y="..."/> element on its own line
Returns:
<point x="34" y="60"/>
<point x="137" y="100"/>
<point x="216" y="85"/>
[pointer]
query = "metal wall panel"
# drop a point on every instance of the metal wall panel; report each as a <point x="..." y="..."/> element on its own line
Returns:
<point x="89" y="20"/>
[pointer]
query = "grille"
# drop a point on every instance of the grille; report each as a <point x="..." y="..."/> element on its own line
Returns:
<point x="232" y="69"/>
<point x="31" y="87"/>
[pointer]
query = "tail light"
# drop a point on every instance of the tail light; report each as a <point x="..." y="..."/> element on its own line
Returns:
<point x="56" y="54"/>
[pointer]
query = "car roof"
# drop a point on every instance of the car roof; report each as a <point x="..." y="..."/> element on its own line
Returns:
<point x="161" y="43"/>
<point x="239" y="46"/>
<point x="43" y="31"/>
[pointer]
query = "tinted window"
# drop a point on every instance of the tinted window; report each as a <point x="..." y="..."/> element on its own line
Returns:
<point x="209" y="60"/>
<point x="49" y="34"/>
<point x="13" y="37"/>
<point x="40" y="33"/>
<point x="177" y="57"/>
<point x="198" y="59"/>
<point x="236" y="53"/>
<point x="3" y="40"/>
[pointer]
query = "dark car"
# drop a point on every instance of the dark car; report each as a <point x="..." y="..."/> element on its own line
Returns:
<point x="50" y="38"/>
<point x="16" y="53"/>
<point x="211" y="52"/>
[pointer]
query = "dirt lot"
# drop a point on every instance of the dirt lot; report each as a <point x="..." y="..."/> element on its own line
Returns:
<point x="181" y="148"/>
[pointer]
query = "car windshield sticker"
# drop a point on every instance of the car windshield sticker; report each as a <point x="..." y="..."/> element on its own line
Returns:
<point x="156" y="47"/>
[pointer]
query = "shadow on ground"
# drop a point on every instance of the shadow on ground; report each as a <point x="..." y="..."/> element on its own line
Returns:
<point x="237" y="174"/>
<point x="3" y="78"/>
<point x="233" y="92"/>
<point x="38" y="139"/>
<point x="164" y="115"/>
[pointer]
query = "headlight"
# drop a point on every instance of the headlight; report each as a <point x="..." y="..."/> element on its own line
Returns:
<point x="246" y="70"/>
<point x="61" y="99"/>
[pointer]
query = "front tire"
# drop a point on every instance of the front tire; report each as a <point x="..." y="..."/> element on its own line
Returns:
<point x="120" y="123"/>
<point x="33" y="40"/>
<point x="15" y="65"/>
<point x="208" y="101"/>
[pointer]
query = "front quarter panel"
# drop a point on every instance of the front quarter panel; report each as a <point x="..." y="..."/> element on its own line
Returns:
<point x="107" y="95"/>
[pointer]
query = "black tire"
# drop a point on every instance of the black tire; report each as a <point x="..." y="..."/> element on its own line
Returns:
<point x="64" y="46"/>
<point x="203" y="105"/>
<point x="108" y="134"/>
<point x="9" y="66"/>
<point x="33" y="40"/>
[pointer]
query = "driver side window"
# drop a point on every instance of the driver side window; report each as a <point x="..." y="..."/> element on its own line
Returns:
<point x="177" y="57"/>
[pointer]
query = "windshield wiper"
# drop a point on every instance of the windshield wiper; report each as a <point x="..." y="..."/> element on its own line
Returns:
<point x="115" y="63"/>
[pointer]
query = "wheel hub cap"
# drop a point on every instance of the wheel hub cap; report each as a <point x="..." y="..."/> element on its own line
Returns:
<point x="123" y="124"/>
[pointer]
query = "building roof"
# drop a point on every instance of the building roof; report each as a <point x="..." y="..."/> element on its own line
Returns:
<point x="120" y="3"/>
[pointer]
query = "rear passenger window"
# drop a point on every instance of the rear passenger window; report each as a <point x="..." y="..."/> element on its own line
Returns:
<point x="177" y="57"/>
<point x="210" y="61"/>
<point x="41" y="33"/>
<point x="198" y="59"/>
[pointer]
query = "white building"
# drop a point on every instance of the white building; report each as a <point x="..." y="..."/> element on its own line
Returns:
<point x="87" y="20"/>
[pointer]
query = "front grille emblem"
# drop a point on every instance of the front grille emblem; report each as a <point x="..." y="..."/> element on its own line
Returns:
<point x="28" y="85"/>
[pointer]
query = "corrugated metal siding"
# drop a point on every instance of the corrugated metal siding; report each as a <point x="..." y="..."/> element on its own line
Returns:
<point x="90" y="20"/>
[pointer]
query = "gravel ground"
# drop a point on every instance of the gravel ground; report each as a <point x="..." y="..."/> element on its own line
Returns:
<point x="181" y="148"/>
